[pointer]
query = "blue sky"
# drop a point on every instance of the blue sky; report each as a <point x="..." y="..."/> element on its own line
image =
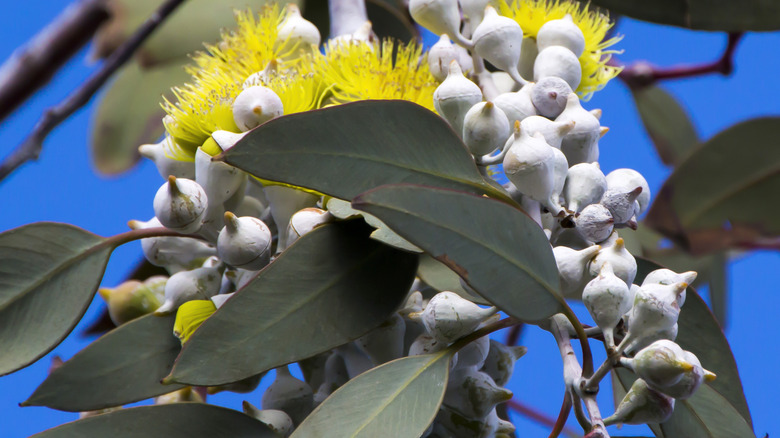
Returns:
<point x="62" y="187"/>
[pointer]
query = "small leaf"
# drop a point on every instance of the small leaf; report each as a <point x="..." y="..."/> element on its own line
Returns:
<point x="438" y="276"/>
<point x="666" y="122"/>
<point x="398" y="399"/>
<point x="124" y="366"/>
<point x="49" y="273"/>
<point x="720" y="196"/>
<point x="330" y="287"/>
<point x="497" y="249"/>
<point x="177" y="420"/>
<point x="345" y="150"/>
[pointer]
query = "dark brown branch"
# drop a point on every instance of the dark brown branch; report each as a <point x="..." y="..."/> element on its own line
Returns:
<point x="32" y="66"/>
<point x="31" y="148"/>
<point x="539" y="417"/>
<point x="514" y="335"/>
<point x="642" y="74"/>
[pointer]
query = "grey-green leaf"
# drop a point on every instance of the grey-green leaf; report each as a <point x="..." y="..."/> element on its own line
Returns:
<point x="124" y="366"/>
<point x="701" y="14"/>
<point x="398" y="399"/>
<point x="666" y="122"/>
<point x="330" y="287"/>
<point x="178" y="420"/>
<point x="49" y="273"/>
<point x="438" y="276"/>
<point x="497" y="249"/>
<point x="345" y="150"/>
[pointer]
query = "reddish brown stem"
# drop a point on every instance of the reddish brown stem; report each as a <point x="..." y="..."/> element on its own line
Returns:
<point x="563" y="415"/>
<point x="537" y="416"/>
<point x="513" y="336"/>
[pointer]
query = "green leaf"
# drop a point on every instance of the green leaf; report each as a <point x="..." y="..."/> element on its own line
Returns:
<point x="701" y="334"/>
<point x="666" y="122"/>
<point x="49" y="273"/>
<point x="438" y="276"/>
<point x="701" y="14"/>
<point x="124" y="366"/>
<point x="345" y="150"/>
<point x="129" y="114"/>
<point x="497" y="249"/>
<point x="330" y="287"/>
<point x="178" y="420"/>
<point x="719" y="196"/>
<point x="398" y="399"/>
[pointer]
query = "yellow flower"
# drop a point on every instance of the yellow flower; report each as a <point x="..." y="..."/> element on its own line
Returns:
<point x="190" y="316"/>
<point x="532" y="14"/>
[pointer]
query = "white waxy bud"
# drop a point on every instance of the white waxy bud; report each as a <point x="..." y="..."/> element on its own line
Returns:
<point x="667" y="276"/>
<point x="474" y="10"/>
<point x="499" y="40"/>
<point x="560" y="170"/>
<point x="581" y="143"/>
<point x="660" y="364"/>
<point x="642" y="405"/>
<point x="558" y="62"/>
<point x="413" y="304"/>
<point x="219" y="300"/>
<point x="485" y="128"/>
<point x="516" y="105"/>
<point x="549" y="95"/>
<point x="425" y="344"/>
<point x="623" y="263"/>
<point x="552" y="131"/>
<point x="646" y="338"/>
<point x="184" y="395"/>
<point x="285" y="202"/>
<point x="448" y="317"/>
<point x="304" y="221"/>
<point x="691" y="379"/>
<point x="595" y="223"/>
<point x="528" y="54"/>
<point x="244" y="242"/>
<point x="464" y="59"/>
<point x="474" y="353"/>
<point x="262" y="77"/>
<point x="290" y="395"/>
<point x="356" y="361"/>
<point x="174" y="253"/>
<point x="654" y="312"/>
<point x="455" y="96"/>
<point x="585" y="185"/>
<point x="561" y="32"/>
<point x="278" y="421"/>
<point x="438" y="16"/>
<point x="500" y="361"/>
<point x="251" y="206"/>
<point x="573" y="268"/>
<point x="336" y="374"/>
<point x="607" y="298"/>
<point x="180" y="204"/>
<point x="221" y="181"/>
<point x="385" y="342"/>
<point x="473" y="393"/>
<point x="627" y="180"/>
<point x="530" y="165"/>
<point x="296" y="34"/>
<point x="197" y="284"/>
<point x="159" y="153"/>
<point x="620" y="203"/>
<point x="440" y="55"/>
<point x="226" y="139"/>
<point x="255" y="106"/>
<point x="133" y="299"/>
<point x="503" y="82"/>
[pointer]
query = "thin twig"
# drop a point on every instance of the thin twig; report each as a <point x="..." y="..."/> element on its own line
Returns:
<point x="537" y="416"/>
<point x="32" y="66"/>
<point x="563" y="415"/>
<point x="514" y="335"/>
<point x="642" y="74"/>
<point x="31" y="148"/>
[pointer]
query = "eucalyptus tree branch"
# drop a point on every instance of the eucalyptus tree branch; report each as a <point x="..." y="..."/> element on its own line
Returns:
<point x="52" y="117"/>
<point x="537" y="416"/>
<point x="346" y="16"/>
<point x="563" y="415"/>
<point x="32" y="66"/>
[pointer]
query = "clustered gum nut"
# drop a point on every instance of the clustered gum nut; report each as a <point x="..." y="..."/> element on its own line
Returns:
<point x="197" y="284"/>
<point x="660" y="364"/>
<point x="654" y="313"/>
<point x="585" y="185"/>
<point x="290" y="395"/>
<point x="485" y="128"/>
<point x="448" y="317"/>
<point x="530" y="164"/>
<point x="244" y="242"/>
<point x="455" y="96"/>
<point x="385" y="342"/>
<point x="581" y="143"/>
<point x="573" y="268"/>
<point x="622" y="262"/>
<point x="517" y="105"/>
<point x="642" y="405"/>
<point x="438" y="16"/>
<point x="607" y="299"/>
<point x="559" y="62"/>
<point x="621" y="204"/>
<point x="474" y="353"/>
<point x="440" y="55"/>
<point x="628" y="179"/>
<point x="667" y="276"/>
<point x="133" y="298"/>
<point x="278" y="421"/>
<point x="473" y="393"/>
<point x="180" y="204"/>
<point x="159" y="153"/>
<point x="172" y="253"/>
<point x="306" y="220"/>
<point x="500" y="361"/>
<point x="498" y="40"/>
<point x="256" y="105"/>
<point x="551" y="130"/>
<point x="594" y="223"/>
<point x="561" y="32"/>
<point x="549" y="96"/>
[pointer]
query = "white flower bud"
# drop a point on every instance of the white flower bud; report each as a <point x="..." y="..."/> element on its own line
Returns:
<point x="197" y="284"/>
<point x="440" y="55"/>
<point x="627" y="180"/>
<point x="559" y="62"/>
<point x="594" y="223"/>
<point x="561" y="32"/>
<point x="691" y="379"/>
<point x="474" y="353"/>
<point x="572" y="268"/>
<point x="606" y="298"/>
<point x="219" y="180"/>
<point x="174" y="253"/>
<point x="448" y="317"/>
<point x="655" y="311"/>
<point x="530" y="165"/>
<point x="180" y="204"/>
<point x="289" y="395"/>
<point x="581" y="143"/>
<point x="485" y="128"/>
<point x="528" y="54"/>
<point x="667" y="276"/>
<point x="498" y="40"/>
<point x="278" y="421"/>
<point x="549" y="95"/>
<point x="284" y="202"/>
<point x="500" y="361"/>
<point x="585" y="185"/>
<point x="159" y="153"/>
<point x="474" y="10"/>
<point x="296" y="33"/>
<point x="255" y="106"/>
<point x="623" y="263"/>
<point x="244" y="242"/>
<point x="455" y="96"/>
<point x="552" y="131"/>
<point x="660" y="364"/>
<point x="560" y="170"/>
<point x="473" y="393"/>
<point x="385" y="342"/>
<point x="516" y="105"/>
<point x="304" y="221"/>
<point x="438" y="16"/>
<point x="642" y="405"/>
<point x="621" y="204"/>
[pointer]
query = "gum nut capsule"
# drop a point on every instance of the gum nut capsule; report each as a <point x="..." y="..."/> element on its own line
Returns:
<point x="438" y="16"/>
<point x="642" y="405"/>
<point x="654" y="312"/>
<point x="558" y="62"/>
<point x="226" y="139"/>
<point x="304" y="221"/>
<point x="290" y="395"/>
<point x="620" y="203"/>
<point x="440" y="55"/>
<point x="197" y="284"/>
<point x="261" y="77"/>
<point x="581" y="143"/>
<point x="528" y="54"/>
<point x="474" y="353"/>
<point x="219" y="180"/>
<point x="173" y="253"/>
<point x="530" y="165"/>
<point x="284" y="203"/>
<point x="606" y="298"/>
<point x="278" y="421"/>
<point x="448" y="317"/>
<point x="160" y="152"/>
<point x="255" y="106"/>
<point x="485" y="128"/>
<point x="385" y="342"/>
<point x="516" y="105"/>
<point x="129" y="300"/>
<point x="474" y="10"/>
<point x="623" y="263"/>
<point x="561" y="32"/>
<point x="691" y="379"/>
<point x="660" y="364"/>
<point x="244" y="242"/>
<point x="500" y="361"/>
<point x="356" y="361"/>
<point x="627" y="180"/>
<point x="499" y="40"/>
<point x="473" y="393"/>
<point x="549" y="95"/>
<point x="180" y="204"/>
<point x="646" y="338"/>
<point x="560" y="170"/>
<point x="425" y="344"/>
<point x="585" y="185"/>
<point x="296" y="33"/>
<point x="455" y="96"/>
<point x="464" y="59"/>
<point x="594" y="223"/>
<point x="572" y="268"/>
<point x="552" y="131"/>
<point x="667" y="276"/>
